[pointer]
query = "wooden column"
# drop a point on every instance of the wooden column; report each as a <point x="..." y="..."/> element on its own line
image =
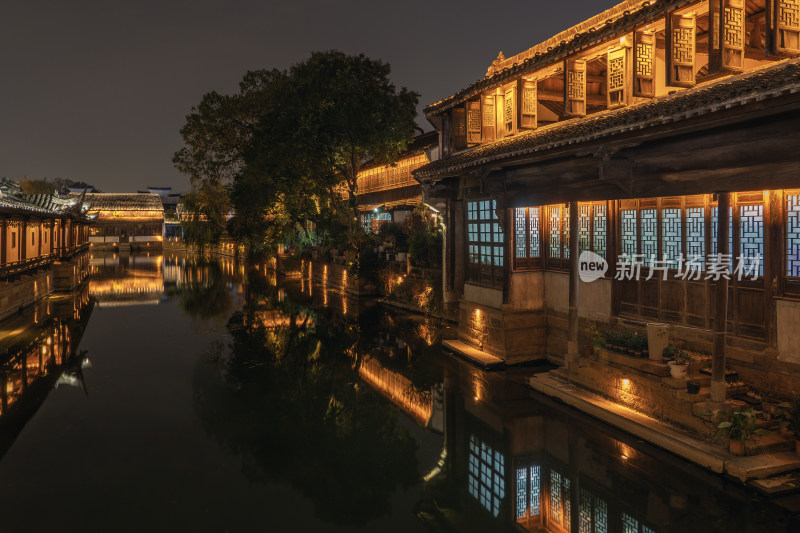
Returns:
<point x="3" y="242"/>
<point x="23" y="240"/>
<point x="574" y="280"/>
<point x="720" y="303"/>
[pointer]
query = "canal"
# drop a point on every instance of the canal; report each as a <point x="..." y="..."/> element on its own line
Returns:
<point x="178" y="393"/>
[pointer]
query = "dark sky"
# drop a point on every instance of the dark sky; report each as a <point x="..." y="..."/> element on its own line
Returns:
<point x="97" y="90"/>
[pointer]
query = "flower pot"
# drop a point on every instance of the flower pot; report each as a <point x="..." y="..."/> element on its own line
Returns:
<point x="692" y="387"/>
<point x="637" y="354"/>
<point x="588" y="351"/>
<point x="678" y="370"/>
<point x="736" y="447"/>
<point x="597" y="351"/>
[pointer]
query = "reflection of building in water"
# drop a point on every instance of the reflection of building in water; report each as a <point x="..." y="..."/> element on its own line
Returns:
<point x="399" y="389"/>
<point x="122" y="279"/>
<point x="515" y="462"/>
<point x="37" y="350"/>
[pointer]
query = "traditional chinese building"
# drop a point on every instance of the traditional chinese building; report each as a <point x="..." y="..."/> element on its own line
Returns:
<point x="390" y="192"/>
<point x="127" y="220"/>
<point x="38" y="231"/>
<point x="664" y="130"/>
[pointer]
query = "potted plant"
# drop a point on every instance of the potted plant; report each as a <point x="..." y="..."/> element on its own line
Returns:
<point x="739" y="427"/>
<point x="679" y="367"/>
<point x="790" y="420"/>
<point x="669" y="352"/>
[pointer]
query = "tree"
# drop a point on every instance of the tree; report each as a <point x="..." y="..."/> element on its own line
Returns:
<point x="291" y="143"/>
<point x="33" y="186"/>
<point x="338" y="112"/>
<point x="205" y="210"/>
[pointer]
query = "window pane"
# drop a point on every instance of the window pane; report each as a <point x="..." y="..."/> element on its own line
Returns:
<point x="599" y="223"/>
<point x="628" y="231"/>
<point x="520" y="233"/>
<point x="555" y="230"/>
<point x="672" y="234"/>
<point x="584" y="227"/>
<point x="751" y="234"/>
<point x="649" y="233"/>
<point x="696" y="235"/>
<point x="793" y="235"/>
<point x="533" y="215"/>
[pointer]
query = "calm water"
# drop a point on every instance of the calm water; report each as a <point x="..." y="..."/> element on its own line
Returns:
<point x="178" y="394"/>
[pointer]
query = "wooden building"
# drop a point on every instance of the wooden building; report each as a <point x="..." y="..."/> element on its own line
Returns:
<point x="38" y="229"/>
<point x="663" y="130"/>
<point x="390" y="192"/>
<point x="126" y="220"/>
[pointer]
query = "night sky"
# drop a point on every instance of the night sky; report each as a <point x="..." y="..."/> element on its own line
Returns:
<point x="97" y="90"/>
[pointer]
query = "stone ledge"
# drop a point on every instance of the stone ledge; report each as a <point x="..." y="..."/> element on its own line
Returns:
<point x="472" y="354"/>
<point x="665" y="436"/>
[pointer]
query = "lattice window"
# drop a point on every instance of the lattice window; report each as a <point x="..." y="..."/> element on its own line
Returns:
<point x="522" y="493"/>
<point x="793" y="235"/>
<point x="732" y="31"/>
<point x="751" y="234"/>
<point x="556" y="231"/>
<point x="683" y="45"/>
<point x="485" y="238"/>
<point x="631" y="525"/>
<point x="529" y="100"/>
<point x="592" y="514"/>
<point x="649" y="233"/>
<point x="644" y="60"/>
<point x="528" y="492"/>
<point x="789" y="13"/>
<point x="575" y="84"/>
<point x="535" y="490"/>
<point x="486" y="475"/>
<point x="629" y="235"/>
<point x="696" y="235"/>
<point x="584" y="227"/>
<point x="616" y="73"/>
<point x="600" y="229"/>
<point x="526" y="231"/>
<point x="671" y="231"/>
<point x="560" y="500"/>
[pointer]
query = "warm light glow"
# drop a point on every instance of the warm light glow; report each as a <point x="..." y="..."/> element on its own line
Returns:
<point x="626" y="383"/>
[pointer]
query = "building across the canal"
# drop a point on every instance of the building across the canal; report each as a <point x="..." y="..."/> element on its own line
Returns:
<point x="660" y="133"/>
<point x="39" y="236"/>
<point x="390" y="192"/>
<point x="126" y="220"/>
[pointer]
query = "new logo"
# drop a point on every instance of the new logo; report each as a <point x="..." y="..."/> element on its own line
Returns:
<point x="591" y="266"/>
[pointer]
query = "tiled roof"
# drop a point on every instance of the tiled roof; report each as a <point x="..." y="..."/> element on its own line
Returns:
<point x="125" y="202"/>
<point x="418" y="145"/>
<point x="766" y="82"/>
<point x="608" y="24"/>
<point x="14" y="200"/>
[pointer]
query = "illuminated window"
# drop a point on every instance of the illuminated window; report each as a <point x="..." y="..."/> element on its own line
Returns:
<point x="484" y="242"/>
<point x="631" y="525"/>
<point x="593" y="514"/>
<point x="527" y="248"/>
<point x="793" y="235"/>
<point x="529" y="484"/>
<point x="486" y="475"/>
<point x="560" y="500"/>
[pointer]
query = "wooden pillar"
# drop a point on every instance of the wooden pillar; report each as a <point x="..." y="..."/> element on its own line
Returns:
<point x="3" y="241"/>
<point x="23" y="240"/>
<point x="720" y="303"/>
<point x="574" y="280"/>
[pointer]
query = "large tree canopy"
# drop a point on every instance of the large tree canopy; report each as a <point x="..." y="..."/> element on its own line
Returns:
<point x="290" y="143"/>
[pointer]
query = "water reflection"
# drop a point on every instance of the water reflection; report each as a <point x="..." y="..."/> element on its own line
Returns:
<point x="38" y="351"/>
<point x="125" y="279"/>
<point x="289" y="401"/>
<point x="336" y="406"/>
<point x="515" y="461"/>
